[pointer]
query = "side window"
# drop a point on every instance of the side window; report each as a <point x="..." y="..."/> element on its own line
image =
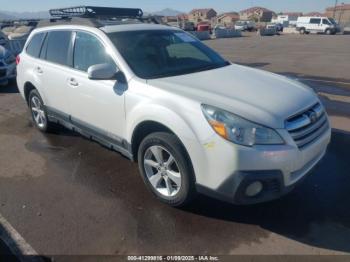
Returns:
<point x="34" y="47"/>
<point x="88" y="51"/>
<point x="316" y="21"/>
<point x="325" y="22"/>
<point x="58" y="47"/>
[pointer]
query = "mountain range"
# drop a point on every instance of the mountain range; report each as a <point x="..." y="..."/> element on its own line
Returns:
<point x="45" y="14"/>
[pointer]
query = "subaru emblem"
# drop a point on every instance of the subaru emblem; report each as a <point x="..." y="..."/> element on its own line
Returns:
<point x="313" y="117"/>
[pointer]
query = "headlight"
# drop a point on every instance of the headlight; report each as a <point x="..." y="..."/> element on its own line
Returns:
<point x="239" y="130"/>
<point x="10" y="59"/>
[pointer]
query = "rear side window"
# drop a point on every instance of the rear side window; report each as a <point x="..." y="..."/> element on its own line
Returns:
<point x="88" y="51"/>
<point x="58" y="47"/>
<point x="315" y="21"/>
<point x="34" y="46"/>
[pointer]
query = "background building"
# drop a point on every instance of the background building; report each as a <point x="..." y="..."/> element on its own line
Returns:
<point x="314" y="14"/>
<point x="341" y="13"/>
<point x="257" y="14"/>
<point x="226" y="19"/>
<point x="202" y="15"/>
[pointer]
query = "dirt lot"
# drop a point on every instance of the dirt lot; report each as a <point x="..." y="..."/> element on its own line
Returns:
<point x="66" y="195"/>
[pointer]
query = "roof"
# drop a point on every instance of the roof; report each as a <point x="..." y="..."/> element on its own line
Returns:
<point x="230" y="14"/>
<point x="255" y="9"/>
<point x="93" y="22"/>
<point x="202" y="10"/>
<point x="135" y="27"/>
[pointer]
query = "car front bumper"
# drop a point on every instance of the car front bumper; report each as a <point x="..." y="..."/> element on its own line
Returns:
<point x="232" y="168"/>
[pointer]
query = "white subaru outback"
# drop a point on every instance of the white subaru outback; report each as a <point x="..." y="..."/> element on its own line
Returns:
<point x="193" y="121"/>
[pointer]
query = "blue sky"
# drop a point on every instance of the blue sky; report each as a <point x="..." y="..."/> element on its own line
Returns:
<point x="181" y="5"/>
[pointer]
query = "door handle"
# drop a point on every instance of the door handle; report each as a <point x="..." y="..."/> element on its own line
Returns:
<point x="72" y="82"/>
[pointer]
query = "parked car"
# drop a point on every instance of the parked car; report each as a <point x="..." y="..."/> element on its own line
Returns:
<point x="187" y="26"/>
<point x="7" y="65"/>
<point x="21" y="32"/>
<point x="3" y="39"/>
<point x="245" y="26"/>
<point x="279" y="27"/>
<point x="268" y="30"/>
<point x="201" y="27"/>
<point x="193" y="121"/>
<point x="306" y="25"/>
<point x="8" y="30"/>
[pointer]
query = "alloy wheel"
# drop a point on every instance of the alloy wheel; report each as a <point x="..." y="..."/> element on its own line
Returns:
<point x="162" y="171"/>
<point x="38" y="112"/>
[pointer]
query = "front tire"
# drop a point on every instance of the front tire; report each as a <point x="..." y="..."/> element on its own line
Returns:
<point x="38" y="112"/>
<point x="166" y="169"/>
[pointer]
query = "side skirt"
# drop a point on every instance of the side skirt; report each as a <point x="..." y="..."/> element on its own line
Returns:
<point x="100" y="136"/>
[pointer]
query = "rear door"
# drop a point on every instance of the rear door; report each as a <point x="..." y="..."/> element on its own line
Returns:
<point x="55" y="69"/>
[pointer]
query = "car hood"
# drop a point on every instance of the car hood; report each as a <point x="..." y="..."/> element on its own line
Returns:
<point x="262" y="97"/>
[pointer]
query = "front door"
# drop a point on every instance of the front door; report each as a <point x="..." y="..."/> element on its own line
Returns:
<point x="96" y="104"/>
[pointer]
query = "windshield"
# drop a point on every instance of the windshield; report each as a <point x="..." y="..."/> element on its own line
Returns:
<point x="332" y="21"/>
<point x="162" y="53"/>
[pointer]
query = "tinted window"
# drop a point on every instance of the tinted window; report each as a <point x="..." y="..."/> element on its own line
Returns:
<point x="162" y="53"/>
<point x="58" y="47"/>
<point x="315" y="21"/>
<point x="88" y="51"/>
<point x="34" y="46"/>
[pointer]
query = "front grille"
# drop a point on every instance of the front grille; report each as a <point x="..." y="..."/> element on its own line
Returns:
<point x="308" y="126"/>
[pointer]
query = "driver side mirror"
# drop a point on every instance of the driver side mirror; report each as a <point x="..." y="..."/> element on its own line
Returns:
<point x="102" y="72"/>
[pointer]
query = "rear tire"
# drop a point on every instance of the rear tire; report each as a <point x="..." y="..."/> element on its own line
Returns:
<point x="38" y="112"/>
<point x="166" y="169"/>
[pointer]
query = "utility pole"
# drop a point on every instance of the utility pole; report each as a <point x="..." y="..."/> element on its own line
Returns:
<point x="335" y="7"/>
<point x="341" y="12"/>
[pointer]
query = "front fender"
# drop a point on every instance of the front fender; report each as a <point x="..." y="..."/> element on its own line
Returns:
<point x="173" y="121"/>
<point x="162" y="115"/>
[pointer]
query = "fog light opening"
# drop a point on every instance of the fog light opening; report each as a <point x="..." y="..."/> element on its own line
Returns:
<point x="254" y="189"/>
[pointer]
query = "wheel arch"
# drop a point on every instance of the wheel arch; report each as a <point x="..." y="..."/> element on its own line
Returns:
<point x="147" y="127"/>
<point x="28" y="87"/>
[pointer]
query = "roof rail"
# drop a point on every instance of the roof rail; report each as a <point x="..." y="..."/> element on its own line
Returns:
<point x="96" y="12"/>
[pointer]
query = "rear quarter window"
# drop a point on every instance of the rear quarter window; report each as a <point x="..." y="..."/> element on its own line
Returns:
<point x="34" y="46"/>
<point x="58" y="46"/>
